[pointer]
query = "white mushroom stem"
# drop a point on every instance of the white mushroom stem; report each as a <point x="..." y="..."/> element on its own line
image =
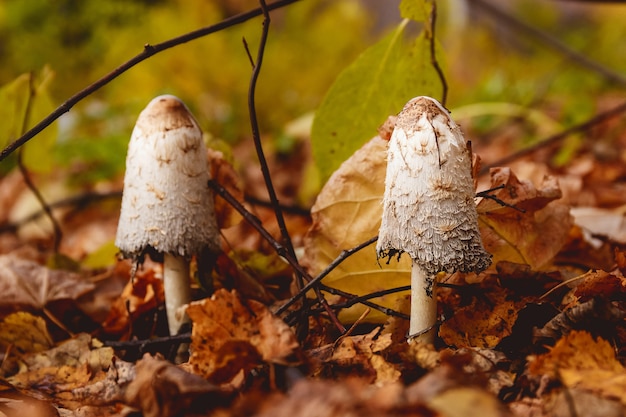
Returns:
<point x="177" y="290"/>
<point x="423" y="319"/>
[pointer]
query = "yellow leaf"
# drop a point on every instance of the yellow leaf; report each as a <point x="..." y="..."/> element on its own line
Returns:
<point x="26" y="332"/>
<point x="348" y="212"/>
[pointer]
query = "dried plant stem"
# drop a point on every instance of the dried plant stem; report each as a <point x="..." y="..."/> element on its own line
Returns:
<point x="148" y="51"/>
<point x="433" y="56"/>
<point x="56" y="228"/>
<point x="256" y="135"/>
<point x="423" y="306"/>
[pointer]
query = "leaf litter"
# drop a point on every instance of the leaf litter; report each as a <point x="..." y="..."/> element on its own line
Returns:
<point x="540" y="333"/>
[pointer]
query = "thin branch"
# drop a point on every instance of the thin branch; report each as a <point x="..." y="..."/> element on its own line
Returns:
<point x="79" y="201"/>
<point x="280" y="249"/>
<point x="375" y="294"/>
<point x="315" y="281"/>
<point x="433" y="56"/>
<point x="385" y="310"/>
<point x="256" y="135"/>
<point x="149" y="50"/>
<point x="554" y="139"/>
<point x="512" y="22"/>
<point x="56" y="229"/>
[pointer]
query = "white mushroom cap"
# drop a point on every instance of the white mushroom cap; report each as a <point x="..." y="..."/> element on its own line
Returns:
<point x="428" y="206"/>
<point x="167" y="206"/>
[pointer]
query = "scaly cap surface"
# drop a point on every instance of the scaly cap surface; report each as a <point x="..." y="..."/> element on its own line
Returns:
<point x="428" y="205"/>
<point x="166" y="205"/>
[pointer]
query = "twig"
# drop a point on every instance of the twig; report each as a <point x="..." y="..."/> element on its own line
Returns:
<point x="342" y="256"/>
<point x="279" y="248"/>
<point x="263" y="162"/>
<point x="552" y="140"/>
<point x="77" y="200"/>
<point x="433" y="57"/>
<point x="290" y="209"/>
<point x="149" y="50"/>
<point x="56" y="229"/>
<point x="385" y="310"/>
<point x="546" y="39"/>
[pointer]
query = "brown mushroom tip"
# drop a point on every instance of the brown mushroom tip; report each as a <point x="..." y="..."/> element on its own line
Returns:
<point x="166" y="112"/>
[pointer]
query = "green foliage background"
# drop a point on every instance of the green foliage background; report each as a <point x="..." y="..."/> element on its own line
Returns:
<point x="310" y="43"/>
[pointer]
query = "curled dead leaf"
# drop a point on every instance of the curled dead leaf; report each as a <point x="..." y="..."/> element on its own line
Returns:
<point x="533" y="230"/>
<point x="26" y="283"/>
<point x="231" y="336"/>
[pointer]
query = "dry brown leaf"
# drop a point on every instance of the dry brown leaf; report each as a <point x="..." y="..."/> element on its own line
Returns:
<point x="601" y="221"/>
<point x="580" y="361"/>
<point x="534" y="236"/>
<point x="25" y="332"/>
<point x="141" y="295"/>
<point x="59" y="371"/>
<point x="26" y="283"/>
<point x="161" y="389"/>
<point x="230" y="336"/>
<point x="468" y="401"/>
<point x="483" y="323"/>
<point x="361" y="355"/>
<point x="225" y="175"/>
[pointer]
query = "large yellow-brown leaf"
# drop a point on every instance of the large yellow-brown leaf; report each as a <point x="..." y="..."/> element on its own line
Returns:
<point x="348" y="212"/>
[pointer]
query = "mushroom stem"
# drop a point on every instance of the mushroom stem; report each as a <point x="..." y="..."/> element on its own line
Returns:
<point x="176" y="286"/>
<point x="423" y="320"/>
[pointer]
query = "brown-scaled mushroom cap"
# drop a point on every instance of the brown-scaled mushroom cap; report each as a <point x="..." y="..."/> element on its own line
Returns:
<point x="428" y="206"/>
<point x="166" y="205"/>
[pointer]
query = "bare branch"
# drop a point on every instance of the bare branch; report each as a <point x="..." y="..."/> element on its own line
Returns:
<point x="149" y="50"/>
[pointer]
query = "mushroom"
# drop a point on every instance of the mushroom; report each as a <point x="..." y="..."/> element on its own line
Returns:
<point x="428" y="206"/>
<point x="167" y="208"/>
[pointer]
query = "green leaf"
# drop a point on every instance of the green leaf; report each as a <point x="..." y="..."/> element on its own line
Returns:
<point x="376" y="85"/>
<point x="417" y="10"/>
<point x="13" y="112"/>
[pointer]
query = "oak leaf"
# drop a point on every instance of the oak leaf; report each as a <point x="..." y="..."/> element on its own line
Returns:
<point x="230" y="336"/>
<point x="532" y="228"/>
<point x="580" y="361"/>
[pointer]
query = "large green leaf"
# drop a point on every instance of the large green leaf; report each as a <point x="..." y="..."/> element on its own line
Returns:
<point x="376" y="85"/>
<point x="14" y="97"/>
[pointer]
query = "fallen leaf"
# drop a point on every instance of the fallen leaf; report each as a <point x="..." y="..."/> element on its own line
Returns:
<point x="610" y="223"/>
<point x="25" y="332"/>
<point x="360" y="355"/>
<point x="230" y="336"/>
<point x="348" y="212"/>
<point x="161" y="389"/>
<point x="26" y="283"/>
<point x="484" y="322"/>
<point x="533" y="236"/>
<point x="580" y="361"/>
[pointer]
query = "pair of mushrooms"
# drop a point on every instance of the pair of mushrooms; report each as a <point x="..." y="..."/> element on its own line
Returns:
<point x="428" y="206"/>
